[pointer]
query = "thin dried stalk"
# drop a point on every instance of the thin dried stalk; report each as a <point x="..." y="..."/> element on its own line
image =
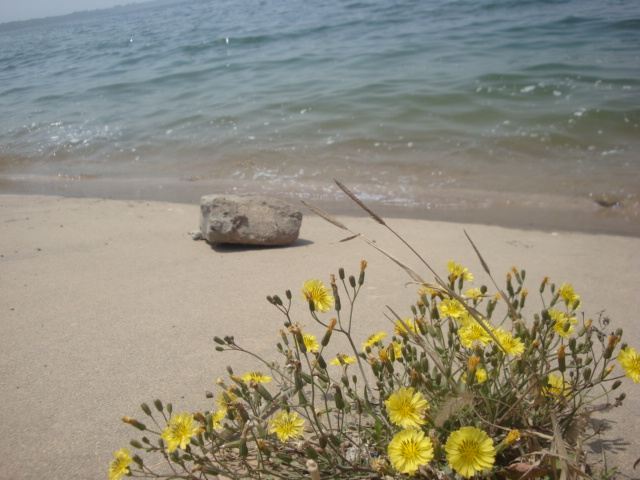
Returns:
<point x="321" y="213"/>
<point x="360" y="203"/>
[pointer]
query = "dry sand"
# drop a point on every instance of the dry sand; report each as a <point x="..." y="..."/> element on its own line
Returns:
<point x="106" y="304"/>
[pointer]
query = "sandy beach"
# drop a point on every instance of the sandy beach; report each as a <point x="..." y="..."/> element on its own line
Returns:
<point x="106" y="304"/>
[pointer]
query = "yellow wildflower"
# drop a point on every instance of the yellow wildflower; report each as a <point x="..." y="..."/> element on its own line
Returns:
<point x="426" y="290"/>
<point x="179" y="431"/>
<point x="402" y="325"/>
<point x="470" y="450"/>
<point x="222" y="402"/>
<point x="568" y="294"/>
<point x="561" y="319"/>
<point x="409" y="449"/>
<point x="451" y="308"/>
<point x="630" y="361"/>
<point x="473" y="294"/>
<point x="217" y="417"/>
<point x="513" y="437"/>
<point x="373" y="339"/>
<point x="457" y="271"/>
<point x="287" y="425"/>
<point x="397" y="349"/>
<point x="513" y="346"/>
<point x="315" y="291"/>
<point x="257" y="377"/>
<point x="405" y="407"/>
<point x="342" y="359"/>
<point x="481" y="376"/>
<point x="120" y="465"/>
<point x="556" y="386"/>
<point x="473" y="332"/>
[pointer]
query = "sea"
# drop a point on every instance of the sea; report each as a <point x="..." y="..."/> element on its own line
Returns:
<point x="522" y="113"/>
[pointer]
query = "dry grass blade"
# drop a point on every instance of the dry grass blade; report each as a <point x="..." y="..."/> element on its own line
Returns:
<point x="352" y="196"/>
<point x="405" y="267"/>
<point x="484" y="264"/>
<point x="558" y="446"/>
<point x="577" y="427"/>
<point x="486" y="269"/>
<point x="349" y="238"/>
<point x="325" y="215"/>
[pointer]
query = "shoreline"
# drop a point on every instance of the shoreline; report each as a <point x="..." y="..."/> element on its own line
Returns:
<point x="540" y="212"/>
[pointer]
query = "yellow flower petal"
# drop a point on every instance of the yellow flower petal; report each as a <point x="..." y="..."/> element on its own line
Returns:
<point x="120" y="465"/>
<point x="629" y="360"/>
<point x="179" y="431"/>
<point x="409" y="449"/>
<point x="316" y="292"/>
<point x="405" y="407"/>
<point x="470" y="450"/>
<point x="287" y="425"/>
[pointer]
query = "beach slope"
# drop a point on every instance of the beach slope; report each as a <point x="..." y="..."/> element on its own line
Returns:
<point x="107" y="304"/>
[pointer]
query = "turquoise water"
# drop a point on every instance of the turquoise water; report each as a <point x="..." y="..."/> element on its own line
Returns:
<point x="451" y="105"/>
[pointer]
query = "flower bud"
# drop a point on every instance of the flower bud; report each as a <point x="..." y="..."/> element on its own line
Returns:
<point x="327" y="335"/>
<point x="613" y="340"/>
<point x="134" y="423"/>
<point x="321" y="362"/>
<point x="313" y="455"/>
<point x="242" y="448"/>
<point x="363" y="266"/>
<point x="300" y="340"/>
<point x="145" y="408"/>
<point x="586" y="374"/>
<point x="510" y="286"/>
<point x="263" y="392"/>
<point x="545" y="280"/>
<point x="514" y="435"/>
<point x="263" y="448"/>
<point x="616" y="384"/>
<point x="352" y="281"/>
<point x="562" y="365"/>
<point x="338" y="398"/>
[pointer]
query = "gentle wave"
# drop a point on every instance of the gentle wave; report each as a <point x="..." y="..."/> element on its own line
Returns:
<point x="507" y="96"/>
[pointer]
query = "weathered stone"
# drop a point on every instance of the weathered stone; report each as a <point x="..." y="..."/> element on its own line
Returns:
<point x="248" y="220"/>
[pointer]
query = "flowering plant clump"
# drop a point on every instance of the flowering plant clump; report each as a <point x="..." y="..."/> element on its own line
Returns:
<point x="469" y="384"/>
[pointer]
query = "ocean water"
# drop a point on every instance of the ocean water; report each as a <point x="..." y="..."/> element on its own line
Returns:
<point x="513" y="112"/>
